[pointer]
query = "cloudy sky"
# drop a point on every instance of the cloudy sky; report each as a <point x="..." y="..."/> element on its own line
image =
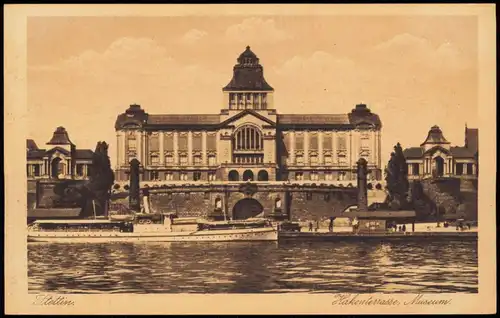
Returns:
<point x="414" y="71"/>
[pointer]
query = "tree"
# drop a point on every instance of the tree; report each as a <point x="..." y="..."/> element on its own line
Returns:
<point x="397" y="179"/>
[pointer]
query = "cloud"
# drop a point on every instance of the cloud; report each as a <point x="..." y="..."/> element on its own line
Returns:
<point x="256" y="30"/>
<point x="193" y="36"/>
<point x="410" y="51"/>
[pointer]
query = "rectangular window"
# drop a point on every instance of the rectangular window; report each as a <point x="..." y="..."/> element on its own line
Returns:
<point x="287" y="140"/>
<point x="211" y="176"/>
<point x="169" y="160"/>
<point x="183" y="142"/>
<point x="155" y="160"/>
<point x="459" y="169"/>
<point x="415" y="169"/>
<point x="328" y="176"/>
<point x="211" y="142"/>
<point x="341" y="143"/>
<point x="299" y="159"/>
<point x="169" y="176"/>
<point x="299" y="141"/>
<point x="153" y="142"/>
<point x="299" y="176"/>
<point x="131" y="141"/>
<point x="183" y="160"/>
<point x="168" y="142"/>
<point x="328" y="160"/>
<point x="212" y="160"/>
<point x="197" y="176"/>
<point x="197" y="142"/>
<point x="314" y="176"/>
<point x="313" y="160"/>
<point x="183" y="176"/>
<point x="365" y="141"/>
<point x="197" y="160"/>
<point x="469" y="168"/>
<point x="313" y="142"/>
<point x="154" y="175"/>
<point x="79" y="170"/>
<point x="327" y="142"/>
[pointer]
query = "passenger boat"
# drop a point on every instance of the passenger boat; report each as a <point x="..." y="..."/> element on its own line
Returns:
<point x="170" y="230"/>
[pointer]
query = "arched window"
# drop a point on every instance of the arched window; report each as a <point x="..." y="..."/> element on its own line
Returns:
<point x="248" y="138"/>
<point x="233" y="175"/>
<point x="263" y="175"/>
<point x="248" y="175"/>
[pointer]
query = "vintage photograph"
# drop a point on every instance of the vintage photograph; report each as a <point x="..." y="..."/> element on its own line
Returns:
<point x="252" y="154"/>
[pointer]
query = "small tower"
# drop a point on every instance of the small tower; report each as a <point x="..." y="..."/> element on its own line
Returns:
<point x="248" y="89"/>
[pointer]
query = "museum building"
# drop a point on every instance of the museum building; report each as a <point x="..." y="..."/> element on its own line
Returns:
<point x="249" y="140"/>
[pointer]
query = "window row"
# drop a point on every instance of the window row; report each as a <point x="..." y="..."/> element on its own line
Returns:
<point x="168" y="142"/>
<point x="182" y="176"/>
<point x="315" y="176"/>
<point x="314" y="160"/>
<point x="183" y="160"/>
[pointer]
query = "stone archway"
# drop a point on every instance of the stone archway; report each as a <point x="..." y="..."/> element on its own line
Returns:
<point x="439" y="166"/>
<point x="247" y="208"/>
<point x="56" y="168"/>
<point x="248" y="175"/>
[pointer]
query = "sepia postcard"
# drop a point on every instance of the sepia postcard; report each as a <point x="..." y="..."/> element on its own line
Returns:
<point x="250" y="159"/>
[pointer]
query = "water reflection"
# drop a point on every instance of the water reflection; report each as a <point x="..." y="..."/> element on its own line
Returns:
<point x="253" y="267"/>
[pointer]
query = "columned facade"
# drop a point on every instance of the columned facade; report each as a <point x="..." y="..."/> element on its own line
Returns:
<point x="248" y="140"/>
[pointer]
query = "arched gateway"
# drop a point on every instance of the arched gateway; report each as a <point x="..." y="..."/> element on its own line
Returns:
<point x="247" y="208"/>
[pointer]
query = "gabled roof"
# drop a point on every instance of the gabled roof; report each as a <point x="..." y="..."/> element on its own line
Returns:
<point x="31" y="144"/>
<point x="462" y="152"/>
<point x="437" y="147"/>
<point x="83" y="154"/>
<point x="36" y="154"/>
<point x="248" y="112"/>
<point x="62" y="150"/>
<point x="197" y="119"/>
<point x="413" y="152"/>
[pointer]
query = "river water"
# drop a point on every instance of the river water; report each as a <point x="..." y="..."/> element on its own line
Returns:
<point x="411" y="266"/>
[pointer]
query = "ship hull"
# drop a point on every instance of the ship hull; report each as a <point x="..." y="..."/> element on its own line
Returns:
<point x="255" y="234"/>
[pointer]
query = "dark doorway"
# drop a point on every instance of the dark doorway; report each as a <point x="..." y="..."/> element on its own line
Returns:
<point x="248" y="175"/>
<point x="247" y="208"/>
<point x="439" y="166"/>
<point x="56" y="168"/>
<point x="233" y="175"/>
<point x="263" y="175"/>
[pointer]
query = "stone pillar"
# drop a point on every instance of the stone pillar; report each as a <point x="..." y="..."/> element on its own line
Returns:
<point x="334" y="148"/>
<point x="320" y="148"/>
<point x="161" y="140"/>
<point x="291" y="147"/>
<point x="373" y="152"/>
<point x="123" y="147"/>
<point x="176" y="148"/>
<point x="362" y="185"/>
<point x="138" y="138"/>
<point x="464" y="169"/>
<point x="204" y="148"/>
<point x="306" y="148"/>
<point x="119" y="158"/>
<point x="69" y="168"/>
<point x="134" y="191"/>
<point x="190" y="148"/>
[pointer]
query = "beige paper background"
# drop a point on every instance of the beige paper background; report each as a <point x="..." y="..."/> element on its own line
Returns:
<point x="17" y="299"/>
